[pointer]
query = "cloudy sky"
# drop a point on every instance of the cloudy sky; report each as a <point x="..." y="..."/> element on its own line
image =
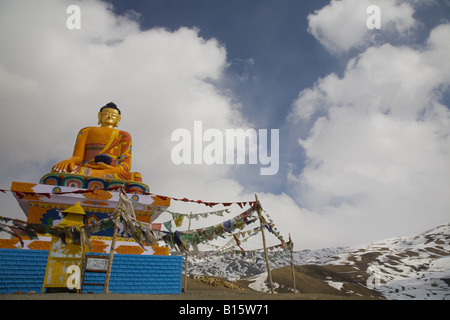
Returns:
<point x="363" y="114"/>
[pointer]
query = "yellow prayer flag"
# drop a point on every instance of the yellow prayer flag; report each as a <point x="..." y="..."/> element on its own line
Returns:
<point x="179" y="221"/>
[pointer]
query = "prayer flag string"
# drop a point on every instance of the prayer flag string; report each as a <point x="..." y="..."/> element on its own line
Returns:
<point x="21" y="195"/>
<point x="144" y="233"/>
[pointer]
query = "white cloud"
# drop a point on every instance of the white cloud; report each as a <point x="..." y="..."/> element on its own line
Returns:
<point x="341" y="25"/>
<point x="53" y="82"/>
<point x="378" y="152"/>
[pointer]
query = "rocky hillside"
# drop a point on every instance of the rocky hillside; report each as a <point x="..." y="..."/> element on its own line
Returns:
<point x="415" y="267"/>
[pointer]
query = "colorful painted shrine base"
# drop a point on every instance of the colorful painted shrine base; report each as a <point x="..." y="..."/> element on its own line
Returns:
<point x="85" y="182"/>
<point x="43" y="204"/>
<point x="99" y="245"/>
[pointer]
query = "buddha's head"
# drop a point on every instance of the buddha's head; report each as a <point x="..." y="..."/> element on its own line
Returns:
<point x="109" y="116"/>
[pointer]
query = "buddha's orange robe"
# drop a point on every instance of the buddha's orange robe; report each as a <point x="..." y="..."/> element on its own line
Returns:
<point x="118" y="148"/>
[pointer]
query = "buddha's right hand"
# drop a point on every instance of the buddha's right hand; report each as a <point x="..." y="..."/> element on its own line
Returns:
<point x="64" y="166"/>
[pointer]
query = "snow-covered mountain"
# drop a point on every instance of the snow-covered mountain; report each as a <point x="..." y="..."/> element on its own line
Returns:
<point x="415" y="267"/>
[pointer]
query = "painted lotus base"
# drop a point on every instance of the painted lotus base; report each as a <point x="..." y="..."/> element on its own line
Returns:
<point x="85" y="182"/>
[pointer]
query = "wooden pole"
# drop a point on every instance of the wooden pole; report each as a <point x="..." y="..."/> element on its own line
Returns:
<point x="292" y="262"/>
<point x="111" y="253"/>
<point x="186" y="259"/>
<point x="261" y="219"/>
<point x="110" y="261"/>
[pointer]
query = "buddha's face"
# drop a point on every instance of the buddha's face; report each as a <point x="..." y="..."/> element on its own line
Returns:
<point x="109" y="117"/>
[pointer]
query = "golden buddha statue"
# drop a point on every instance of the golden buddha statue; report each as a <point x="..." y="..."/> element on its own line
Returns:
<point x="103" y="152"/>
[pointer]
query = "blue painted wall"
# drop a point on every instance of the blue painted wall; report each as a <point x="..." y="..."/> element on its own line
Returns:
<point x="24" y="270"/>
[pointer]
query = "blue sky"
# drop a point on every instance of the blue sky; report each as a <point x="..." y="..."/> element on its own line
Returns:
<point x="363" y="114"/>
<point x="267" y="44"/>
<point x="271" y="56"/>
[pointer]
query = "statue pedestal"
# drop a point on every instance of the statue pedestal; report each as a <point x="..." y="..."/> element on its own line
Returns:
<point x="46" y="202"/>
<point x="86" y="182"/>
